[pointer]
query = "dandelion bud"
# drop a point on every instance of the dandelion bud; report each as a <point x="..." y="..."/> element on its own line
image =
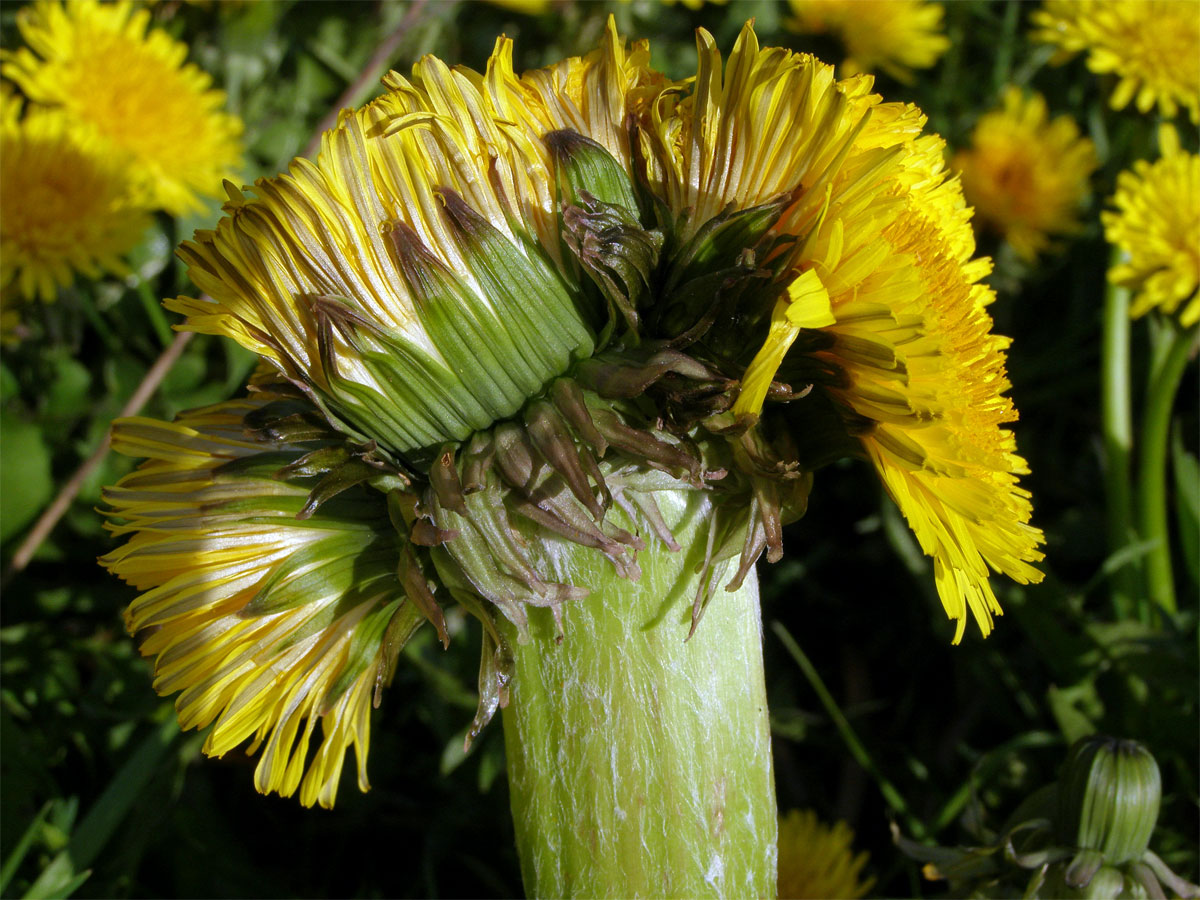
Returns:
<point x="1108" y="800"/>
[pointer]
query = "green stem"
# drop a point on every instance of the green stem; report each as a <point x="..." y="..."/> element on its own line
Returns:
<point x="1118" y="443"/>
<point x="640" y="763"/>
<point x="1173" y="348"/>
<point x="891" y="795"/>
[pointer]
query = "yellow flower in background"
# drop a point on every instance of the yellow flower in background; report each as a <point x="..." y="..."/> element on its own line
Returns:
<point x="65" y="205"/>
<point x="1025" y="174"/>
<point x="525" y="7"/>
<point x="1157" y="223"/>
<point x="267" y="622"/>
<point x="817" y="861"/>
<point x="103" y="65"/>
<point x="892" y="36"/>
<point x="1150" y="45"/>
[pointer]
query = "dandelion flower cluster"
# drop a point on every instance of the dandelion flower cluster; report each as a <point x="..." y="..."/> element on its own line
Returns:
<point x="104" y="66"/>
<point x="1151" y="46"/>
<point x="817" y="861"/>
<point x="1156" y="222"/>
<point x="1026" y="174"/>
<point x="65" y="205"/>
<point x="494" y="307"/>
<point x="892" y="36"/>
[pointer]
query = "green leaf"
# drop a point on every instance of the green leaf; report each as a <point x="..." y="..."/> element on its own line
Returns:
<point x="8" y="384"/>
<point x="68" y="870"/>
<point x="1076" y="709"/>
<point x="67" y="394"/>
<point x="1187" y="504"/>
<point x="25" y="480"/>
<point x="18" y="852"/>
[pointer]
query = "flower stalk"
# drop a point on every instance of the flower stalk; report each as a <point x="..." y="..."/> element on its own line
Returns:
<point x="639" y="763"/>
<point x="1177" y="345"/>
<point x="1117" y="417"/>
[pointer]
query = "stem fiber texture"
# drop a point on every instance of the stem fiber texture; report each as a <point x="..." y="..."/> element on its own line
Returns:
<point x="640" y="764"/>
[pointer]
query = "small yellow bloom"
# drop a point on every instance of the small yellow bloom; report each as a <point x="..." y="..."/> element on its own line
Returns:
<point x="1150" y="45"/>
<point x="892" y="36"/>
<point x="1157" y="223"/>
<point x="103" y="65"/>
<point x="817" y="861"/>
<point x="65" y="205"/>
<point x="1025" y="174"/>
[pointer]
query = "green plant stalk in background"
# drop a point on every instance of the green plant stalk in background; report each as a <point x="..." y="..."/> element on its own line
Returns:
<point x="1173" y="345"/>
<point x="640" y="763"/>
<point x="1118" y="442"/>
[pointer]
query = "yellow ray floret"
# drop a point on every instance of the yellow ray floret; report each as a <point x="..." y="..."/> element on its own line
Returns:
<point x="1025" y="174"/>
<point x="66" y="204"/>
<point x="104" y="65"/>
<point x="806" y="305"/>
<point x="266" y="623"/>
<point x="1150" y="45"/>
<point x="892" y="36"/>
<point x="1157" y="224"/>
<point x="887" y="237"/>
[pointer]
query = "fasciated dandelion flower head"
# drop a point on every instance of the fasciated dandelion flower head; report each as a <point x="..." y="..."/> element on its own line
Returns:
<point x="104" y="65"/>
<point x="892" y="36"/>
<point x="1149" y="46"/>
<point x="505" y="304"/>
<point x="1025" y="174"/>
<point x="1156" y="222"/>
<point x="67" y="206"/>
<point x="817" y="861"/>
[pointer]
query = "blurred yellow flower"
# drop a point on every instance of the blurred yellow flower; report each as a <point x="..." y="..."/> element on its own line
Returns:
<point x="817" y="861"/>
<point x="1025" y="174"/>
<point x="525" y="7"/>
<point x="1150" y="45"/>
<point x="1157" y="223"/>
<point x="103" y="65"/>
<point x="65" y="205"/>
<point x="892" y="36"/>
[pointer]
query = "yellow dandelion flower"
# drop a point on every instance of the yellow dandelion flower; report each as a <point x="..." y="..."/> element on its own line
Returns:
<point x="817" y="861"/>
<point x="1150" y="45"/>
<point x="505" y="304"/>
<point x="104" y="65"/>
<point x="1025" y="174"/>
<point x="892" y="36"/>
<point x="65" y="205"/>
<point x="1157" y="224"/>
<point x="913" y="365"/>
<point x="265" y="621"/>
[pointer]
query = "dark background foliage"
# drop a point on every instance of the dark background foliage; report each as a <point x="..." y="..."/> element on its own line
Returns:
<point x="957" y="736"/>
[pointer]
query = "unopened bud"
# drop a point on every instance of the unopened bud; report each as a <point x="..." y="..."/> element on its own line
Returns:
<point x="1108" y="798"/>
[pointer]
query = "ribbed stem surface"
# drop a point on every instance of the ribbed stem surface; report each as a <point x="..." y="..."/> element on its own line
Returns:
<point x="640" y="765"/>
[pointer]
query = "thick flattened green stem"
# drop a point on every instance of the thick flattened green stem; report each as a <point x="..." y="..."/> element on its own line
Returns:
<point x="640" y="764"/>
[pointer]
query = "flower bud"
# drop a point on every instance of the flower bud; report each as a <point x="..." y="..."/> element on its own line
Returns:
<point x="1108" y="798"/>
